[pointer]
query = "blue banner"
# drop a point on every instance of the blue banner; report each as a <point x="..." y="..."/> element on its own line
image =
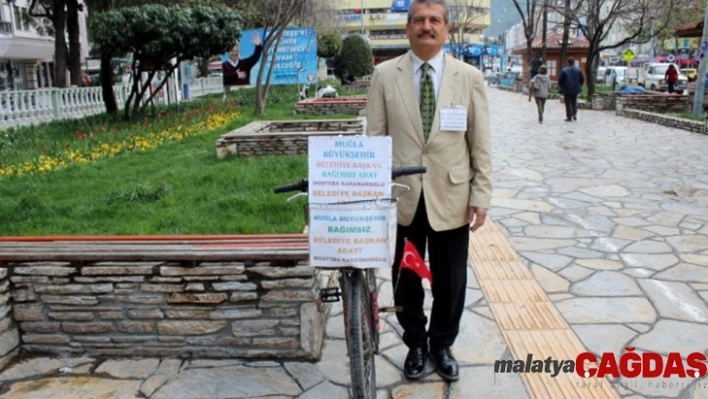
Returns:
<point x="400" y="5"/>
<point x="295" y="62"/>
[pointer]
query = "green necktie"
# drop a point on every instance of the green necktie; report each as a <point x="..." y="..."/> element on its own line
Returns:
<point x="427" y="100"/>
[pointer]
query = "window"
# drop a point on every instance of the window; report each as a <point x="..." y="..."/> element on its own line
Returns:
<point x="18" y="18"/>
<point x="552" y="68"/>
<point x="25" y="18"/>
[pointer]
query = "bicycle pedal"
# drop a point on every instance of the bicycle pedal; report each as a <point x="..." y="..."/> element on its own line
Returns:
<point x="390" y="309"/>
<point x="330" y="294"/>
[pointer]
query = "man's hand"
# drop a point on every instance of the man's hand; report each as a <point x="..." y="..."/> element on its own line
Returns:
<point x="476" y="217"/>
<point x="256" y="39"/>
<point x="241" y="74"/>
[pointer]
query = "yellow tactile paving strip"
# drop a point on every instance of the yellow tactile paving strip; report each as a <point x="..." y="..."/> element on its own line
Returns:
<point x="527" y="318"/>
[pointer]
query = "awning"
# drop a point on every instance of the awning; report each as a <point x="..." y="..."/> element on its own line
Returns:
<point x="16" y="48"/>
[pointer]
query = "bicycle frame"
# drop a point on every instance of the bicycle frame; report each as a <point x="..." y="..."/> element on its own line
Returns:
<point x="359" y="293"/>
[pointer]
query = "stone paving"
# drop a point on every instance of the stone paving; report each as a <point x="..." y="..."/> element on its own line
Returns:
<point x="611" y="216"/>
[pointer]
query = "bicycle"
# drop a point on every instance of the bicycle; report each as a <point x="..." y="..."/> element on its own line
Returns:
<point x="358" y="292"/>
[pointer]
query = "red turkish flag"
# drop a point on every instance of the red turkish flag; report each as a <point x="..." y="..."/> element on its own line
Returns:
<point x="413" y="261"/>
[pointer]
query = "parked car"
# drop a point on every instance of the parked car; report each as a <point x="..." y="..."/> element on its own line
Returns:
<point x="517" y="69"/>
<point x="689" y="73"/>
<point x="652" y="77"/>
<point x="600" y="76"/>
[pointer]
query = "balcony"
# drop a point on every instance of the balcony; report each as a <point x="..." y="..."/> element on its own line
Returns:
<point x="379" y="20"/>
<point x="398" y="20"/>
<point x="389" y="41"/>
<point x="6" y="27"/>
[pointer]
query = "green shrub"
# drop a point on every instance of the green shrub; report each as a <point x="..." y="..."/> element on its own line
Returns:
<point x="356" y="57"/>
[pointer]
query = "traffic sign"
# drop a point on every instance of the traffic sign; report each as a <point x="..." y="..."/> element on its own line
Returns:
<point x="628" y="55"/>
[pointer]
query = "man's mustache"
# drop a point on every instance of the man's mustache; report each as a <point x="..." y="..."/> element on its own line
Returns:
<point x="431" y="34"/>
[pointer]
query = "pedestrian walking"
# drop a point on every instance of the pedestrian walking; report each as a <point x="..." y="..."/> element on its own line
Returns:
<point x="671" y="77"/>
<point x="536" y="63"/>
<point x="570" y="83"/>
<point x="434" y="107"/>
<point x="538" y="88"/>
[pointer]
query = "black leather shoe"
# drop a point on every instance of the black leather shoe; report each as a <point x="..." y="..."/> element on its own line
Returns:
<point x="568" y="120"/>
<point x="415" y="362"/>
<point x="445" y="363"/>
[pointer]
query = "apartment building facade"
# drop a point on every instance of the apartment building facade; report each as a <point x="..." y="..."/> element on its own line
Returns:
<point x="27" y="47"/>
<point x="383" y="22"/>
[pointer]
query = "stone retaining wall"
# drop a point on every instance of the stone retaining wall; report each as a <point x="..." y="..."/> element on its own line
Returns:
<point x="213" y="310"/>
<point x="666" y="120"/>
<point x="659" y="103"/>
<point x="282" y="137"/>
<point x="604" y="101"/>
<point x="9" y="334"/>
<point x="351" y="105"/>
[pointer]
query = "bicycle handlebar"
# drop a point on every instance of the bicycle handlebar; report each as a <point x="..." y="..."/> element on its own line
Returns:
<point x="407" y="170"/>
<point x="299" y="186"/>
<point x="395" y="172"/>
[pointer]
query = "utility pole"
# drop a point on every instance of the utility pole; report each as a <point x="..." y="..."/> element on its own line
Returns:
<point x="700" y="82"/>
<point x="361" y="7"/>
<point x="543" y="34"/>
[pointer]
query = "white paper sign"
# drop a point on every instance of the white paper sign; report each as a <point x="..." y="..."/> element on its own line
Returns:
<point x="361" y="235"/>
<point x="349" y="168"/>
<point x="453" y="119"/>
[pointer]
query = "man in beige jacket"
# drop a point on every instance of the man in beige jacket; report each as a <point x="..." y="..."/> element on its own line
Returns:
<point x="445" y="127"/>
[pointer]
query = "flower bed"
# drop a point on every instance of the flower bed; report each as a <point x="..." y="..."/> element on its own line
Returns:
<point x="88" y="147"/>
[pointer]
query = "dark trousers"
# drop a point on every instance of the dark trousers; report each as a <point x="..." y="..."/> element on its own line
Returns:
<point x="540" y="106"/>
<point x="571" y="105"/>
<point x="448" y="265"/>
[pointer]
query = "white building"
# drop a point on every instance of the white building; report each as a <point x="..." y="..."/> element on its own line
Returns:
<point x="26" y="49"/>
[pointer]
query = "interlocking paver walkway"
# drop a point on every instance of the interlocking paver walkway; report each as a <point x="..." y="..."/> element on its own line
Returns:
<point x="608" y="214"/>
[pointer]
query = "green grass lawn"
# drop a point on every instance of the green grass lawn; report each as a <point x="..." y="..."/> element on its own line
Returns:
<point x="178" y="187"/>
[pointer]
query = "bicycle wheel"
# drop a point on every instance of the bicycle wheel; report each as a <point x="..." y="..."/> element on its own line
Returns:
<point x="360" y="331"/>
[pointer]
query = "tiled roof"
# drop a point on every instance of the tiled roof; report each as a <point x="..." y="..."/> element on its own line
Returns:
<point x="554" y="40"/>
<point x="692" y="29"/>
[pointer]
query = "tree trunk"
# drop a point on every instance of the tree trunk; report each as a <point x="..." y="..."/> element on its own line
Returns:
<point x="109" y="96"/>
<point x="106" y="74"/>
<point x="544" y="33"/>
<point x="60" y="51"/>
<point x="591" y="70"/>
<point x="262" y="89"/>
<point x="72" y="27"/>
<point x="204" y="67"/>
<point x="566" y="35"/>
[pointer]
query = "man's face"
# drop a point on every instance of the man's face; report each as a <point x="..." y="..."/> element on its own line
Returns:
<point x="427" y="31"/>
<point x="233" y="54"/>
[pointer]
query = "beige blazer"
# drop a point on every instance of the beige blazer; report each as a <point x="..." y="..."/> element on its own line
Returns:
<point x="459" y="164"/>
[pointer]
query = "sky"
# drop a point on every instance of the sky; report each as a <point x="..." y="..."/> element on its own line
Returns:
<point x="504" y="15"/>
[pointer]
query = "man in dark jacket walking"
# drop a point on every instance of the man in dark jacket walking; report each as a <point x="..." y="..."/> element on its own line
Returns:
<point x="570" y="83"/>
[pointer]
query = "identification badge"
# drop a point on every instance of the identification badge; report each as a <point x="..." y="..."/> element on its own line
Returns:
<point x="453" y="119"/>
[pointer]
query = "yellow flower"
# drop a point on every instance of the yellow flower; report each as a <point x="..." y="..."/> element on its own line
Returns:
<point x="144" y="142"/>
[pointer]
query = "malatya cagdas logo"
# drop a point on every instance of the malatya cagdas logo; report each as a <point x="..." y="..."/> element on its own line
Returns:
<point x="629" y="364"/>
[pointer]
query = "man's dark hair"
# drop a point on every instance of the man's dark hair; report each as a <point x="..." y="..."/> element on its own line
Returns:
<point x="571" y="61"/>
<point x="443" y="3"/>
